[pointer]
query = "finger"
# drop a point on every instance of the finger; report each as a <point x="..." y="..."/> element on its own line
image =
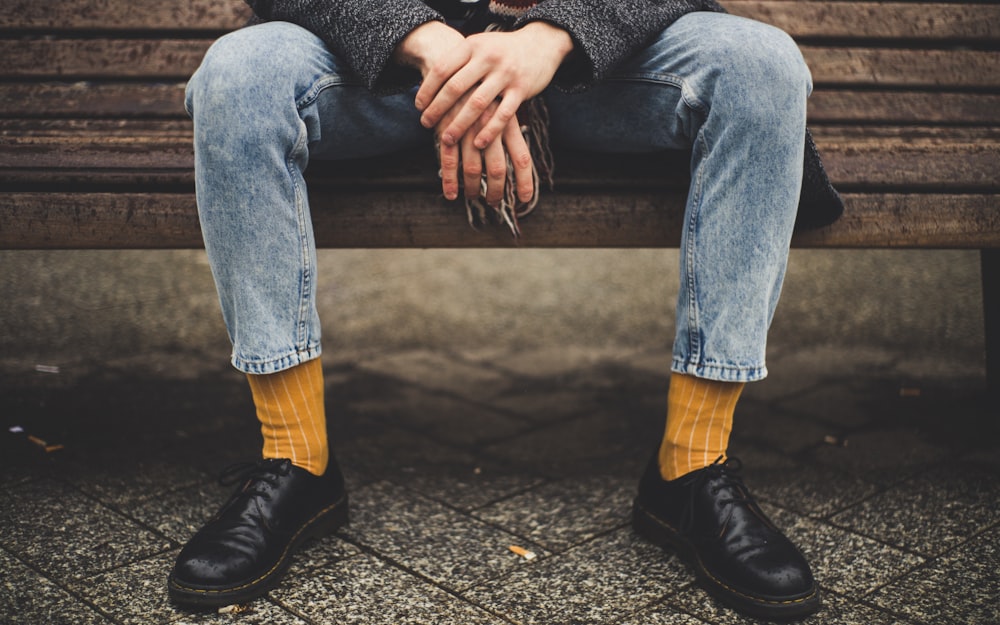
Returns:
<point x="479" y="103"/>
<point x="447" y="96"/>
<point x="437" y="75"/>
<point x="520" y="158"/>
<point x="495" y="160"/>
<point x="497" y="122"/>
<point x="472" y="167"/>
<point x="449" y="171"/>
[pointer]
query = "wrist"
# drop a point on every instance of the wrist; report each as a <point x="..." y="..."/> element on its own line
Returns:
<point x="418" y="47"/>
<point x="550" y="38"/>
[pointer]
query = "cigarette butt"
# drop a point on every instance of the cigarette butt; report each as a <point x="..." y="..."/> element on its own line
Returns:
<point x="909" y="392"/>
<point x="524" y="553"/>
<point x="51" y="448"/>
<point x="830" y="439"/>
<point x="46" y="368"/>
<point x="37" y="441"/>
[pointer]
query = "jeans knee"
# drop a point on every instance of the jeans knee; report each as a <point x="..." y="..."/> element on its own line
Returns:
<point x="769" y="58"/>
<point x="247" y="65"/>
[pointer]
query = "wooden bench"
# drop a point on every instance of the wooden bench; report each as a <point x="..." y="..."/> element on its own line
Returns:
<point x="95" y="148"/>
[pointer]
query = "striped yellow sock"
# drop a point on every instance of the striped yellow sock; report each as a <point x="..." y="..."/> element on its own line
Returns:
<point x="292" y="415"/>
<point x="699" y="420"/>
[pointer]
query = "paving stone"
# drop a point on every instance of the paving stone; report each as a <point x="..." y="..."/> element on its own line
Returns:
<point x="67" y="534"/>
<point x="256" y="613"/>
<point x="440" y="371"/>
<point x="366" y="589"/>
<point x="554" y="362"/>
<point x="762" y="423"/>
<point x="814" y="490"/>
<point x="842" y="561"/>
<point x="834" y="610"/>
<point x="466" y="486"/>
<point x="442" y="417"/>
<point x="599" y="443"/>
<point x="561" y="514"/>
<point x="960" y="587"/>
<point x="544" y="403"/>
<point x="451" y="549"/>
<point x="838" y="403"/>
<point x="370" y="452"/>
<point x="882" y="456"/>
<point x="123" y="481"/>
<point x="27" y="597"/>
<point x="663" y="615"/>
<point x="179" y="514"/>
<point x="133" y="594"/>
<point x="605" y="580"/>
<point x="931" y="513"/>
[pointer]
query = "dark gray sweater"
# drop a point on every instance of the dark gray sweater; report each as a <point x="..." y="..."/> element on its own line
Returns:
<point x="365" y="32"/>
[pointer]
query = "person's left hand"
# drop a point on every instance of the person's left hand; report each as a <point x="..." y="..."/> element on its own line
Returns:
<point x="492" y="159"/>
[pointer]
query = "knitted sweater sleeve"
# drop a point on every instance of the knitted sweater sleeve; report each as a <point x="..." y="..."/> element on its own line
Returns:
<point x="363" y="33"/>
<point x="605" y="33"/>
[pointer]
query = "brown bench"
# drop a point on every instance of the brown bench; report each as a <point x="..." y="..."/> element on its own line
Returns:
<point x="95" y="148"/>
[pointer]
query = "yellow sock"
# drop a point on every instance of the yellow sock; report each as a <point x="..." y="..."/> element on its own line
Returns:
<point x="699" y="420"/>
<point x="292" y="415"/>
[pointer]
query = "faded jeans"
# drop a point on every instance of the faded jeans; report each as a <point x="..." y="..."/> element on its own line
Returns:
<point x="730" y="91"/>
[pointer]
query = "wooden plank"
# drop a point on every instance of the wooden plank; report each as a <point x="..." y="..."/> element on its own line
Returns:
<point x="888" y="67"/>
<point x="925" y="21"/>
<point x="213" y="15"/>
<point x="856" y="157"/>
<point x="166" y="100"/>
<point x="872" y="20"/>
<point x="101" y="58"/>
<point x="903" y="107"/>
<point x="351" y="219"/>
<point x="88" y="99"/>
<point x="911" y="220"/>
<point x="178" y="58"/>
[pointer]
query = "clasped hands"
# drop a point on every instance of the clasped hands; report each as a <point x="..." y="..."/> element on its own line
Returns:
<point x="471" y="90"/>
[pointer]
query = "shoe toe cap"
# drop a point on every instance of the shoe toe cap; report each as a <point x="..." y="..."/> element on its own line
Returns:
<point x="770" y="575"/>
<point x="212" y="568"/>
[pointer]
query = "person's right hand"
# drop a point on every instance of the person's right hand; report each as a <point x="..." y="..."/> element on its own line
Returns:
<point x="438" y="52"/>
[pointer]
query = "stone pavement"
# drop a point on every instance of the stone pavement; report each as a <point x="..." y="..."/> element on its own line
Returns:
<point x="885" y="469"/>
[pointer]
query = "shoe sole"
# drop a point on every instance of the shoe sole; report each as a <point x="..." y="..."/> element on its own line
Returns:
<point x="664" y="536"/>
<point x="326" y="521"/>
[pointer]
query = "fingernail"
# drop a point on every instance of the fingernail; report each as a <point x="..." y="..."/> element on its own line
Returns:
<point x="447" y="139"/>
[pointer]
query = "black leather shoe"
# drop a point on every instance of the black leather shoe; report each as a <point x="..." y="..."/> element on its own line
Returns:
<point x="245" y="549"/>
<point x="712" y="521"/>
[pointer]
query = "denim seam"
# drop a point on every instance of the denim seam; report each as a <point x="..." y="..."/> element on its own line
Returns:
<point x="687" y="94"/>
<point x="321" y="84"/>
<point x="305" y="277"/>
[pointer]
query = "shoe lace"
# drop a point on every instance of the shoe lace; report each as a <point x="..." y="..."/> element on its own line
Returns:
<point x="255" y="476"/>
<point x="726" y="475"/>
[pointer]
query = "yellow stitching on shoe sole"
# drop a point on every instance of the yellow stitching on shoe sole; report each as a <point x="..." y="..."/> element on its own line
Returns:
<point x="719" y="582"/>
<point x="281" y="559"/>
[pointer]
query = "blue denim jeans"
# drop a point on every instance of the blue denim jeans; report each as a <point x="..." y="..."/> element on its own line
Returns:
<point x="731" y="91"/>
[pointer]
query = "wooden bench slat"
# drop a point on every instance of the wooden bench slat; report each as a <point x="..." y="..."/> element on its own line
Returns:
<point x="104" y="152"/>
<point x="849" y="20"/>
<point x="213" y="15"/>
<point x="903" y="107"/>
<point x="157" y="100"/>
<point x="88" y="99"/>
<point x="887" y="67"/>
<point x="351" y="219"/>
<point x="925" y="21"/>
<point x="177" y="59"/>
